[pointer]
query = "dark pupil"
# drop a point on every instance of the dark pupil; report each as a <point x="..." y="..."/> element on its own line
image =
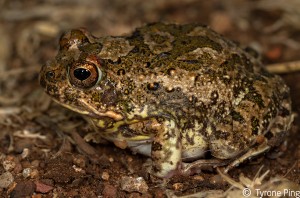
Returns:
<point x="81" y="73"/>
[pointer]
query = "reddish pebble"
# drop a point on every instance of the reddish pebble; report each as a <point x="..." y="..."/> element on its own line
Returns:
<point x="109" y="191"/>
<point x="274" y="53"/>
<point x="42" y="188"/>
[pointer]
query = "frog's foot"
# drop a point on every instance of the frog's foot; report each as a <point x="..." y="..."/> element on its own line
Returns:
<point x="262" y="148"/>
<point x="199" y="165"/>
<point x="166" y="149"/>
<point x="205" y="164"/>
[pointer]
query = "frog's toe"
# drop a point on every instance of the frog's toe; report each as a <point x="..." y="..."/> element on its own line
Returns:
<point x="197" y="166"/>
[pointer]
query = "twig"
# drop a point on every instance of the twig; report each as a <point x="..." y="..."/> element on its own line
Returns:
<point x="283" y="68"/>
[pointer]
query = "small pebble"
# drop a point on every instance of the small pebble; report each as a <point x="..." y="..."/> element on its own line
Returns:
<point x="274" y="53"/>
<point x="35" y="163"/>
<point x="25" y="153"/>
<point x="217" y="179"/>
<point x="178" y="186"/>
<point x="131" y="184"/>
<point x="105" y="176"/>
<point x="26" y="172"/>
<point x="79" y="161"/>
<point x="18" y="168"/>
<point x="23" y="189"/>
<point x="78" y="169"/>
<point x="34" y="173"/>
<point x="43" y="188"/>
<point x="109" y="191"/>
<point x="8" y="165"/>
<point x="129" y="159"/>
<point x="6" y="179"/>
<point x="111" y="159"/>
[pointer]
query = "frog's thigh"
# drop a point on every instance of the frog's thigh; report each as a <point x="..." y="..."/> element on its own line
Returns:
<point x="194" y="146"/>
<point x="223" y="144"/>
<point x="232" y="147"/>
<point x="278" y="131"/>
<point x="166" y="149"/>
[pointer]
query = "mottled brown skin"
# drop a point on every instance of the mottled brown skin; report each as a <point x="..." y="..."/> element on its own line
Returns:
<point x="172" y="92"/>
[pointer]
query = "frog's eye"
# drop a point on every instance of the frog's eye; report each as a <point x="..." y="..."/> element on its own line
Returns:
<point x="84" y="75"/>
<point x="73" y="37"/>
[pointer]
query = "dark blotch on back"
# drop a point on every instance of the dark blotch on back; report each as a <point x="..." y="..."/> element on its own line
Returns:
<point x="121" y="72"/>
<point x="254" y="125"/>
<point x="236" y="116"/>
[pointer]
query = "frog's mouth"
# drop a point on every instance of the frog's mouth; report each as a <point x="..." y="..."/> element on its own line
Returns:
<point x="92" y="112"/>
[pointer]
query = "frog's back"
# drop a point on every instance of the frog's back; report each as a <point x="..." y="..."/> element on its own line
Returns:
<point x="197" y="75"/>
<point x="177" y="65"/>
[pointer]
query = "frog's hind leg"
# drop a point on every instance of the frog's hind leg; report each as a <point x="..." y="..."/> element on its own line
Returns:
<point x="262" y="148"/>
<point x="197" y="166"/>
<point x="272" y="138"/>
<point x="194" y="167"/>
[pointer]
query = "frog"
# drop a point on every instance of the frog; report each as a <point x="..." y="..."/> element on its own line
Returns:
<point x="181" y="94"/>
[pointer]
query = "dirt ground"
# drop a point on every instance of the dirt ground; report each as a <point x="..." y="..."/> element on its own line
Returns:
<point x="42" y="153"/>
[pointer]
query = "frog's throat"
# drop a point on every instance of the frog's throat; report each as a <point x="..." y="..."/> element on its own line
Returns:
<point x="92" y="111"/>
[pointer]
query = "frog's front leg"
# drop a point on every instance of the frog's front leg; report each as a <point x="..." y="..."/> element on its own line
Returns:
<point x="166" y="148"/>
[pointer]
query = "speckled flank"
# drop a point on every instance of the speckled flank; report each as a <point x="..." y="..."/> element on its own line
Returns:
<point x="183" y="89"/>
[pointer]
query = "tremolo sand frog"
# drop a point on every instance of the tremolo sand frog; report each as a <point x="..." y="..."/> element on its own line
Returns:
<point x="177" y="93"/>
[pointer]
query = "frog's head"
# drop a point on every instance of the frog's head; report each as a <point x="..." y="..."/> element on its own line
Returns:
<point x="77" y="78"/>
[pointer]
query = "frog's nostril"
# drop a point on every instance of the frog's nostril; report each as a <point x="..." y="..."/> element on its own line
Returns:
<point x="50" y="75"/>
